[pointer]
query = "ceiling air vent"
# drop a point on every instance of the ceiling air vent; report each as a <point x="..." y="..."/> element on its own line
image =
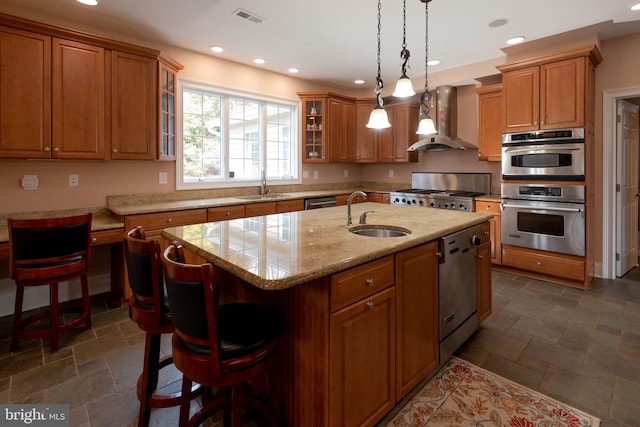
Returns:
<point x="248" y="15"/>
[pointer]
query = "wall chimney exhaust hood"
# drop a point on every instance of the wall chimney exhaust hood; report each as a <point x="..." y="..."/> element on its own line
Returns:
<point x="446" y="100"/>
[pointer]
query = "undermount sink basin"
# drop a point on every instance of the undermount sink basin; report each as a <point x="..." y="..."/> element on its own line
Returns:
<point x="372" y="230"/>
<point x="261" y="196"/>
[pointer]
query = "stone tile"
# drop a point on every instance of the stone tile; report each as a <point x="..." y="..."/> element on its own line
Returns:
<point x="624" y="405"/>
<point x="580" y="338"/>
<point x="126" y="365"/>
<point x="500" y="344"/>
<point x="110" y="317"/>
<point x="555" y="354"/>
<point x="92" y="365"/>
<point x="586" y="394"/>
<point x="78" y="416"/>
<point x="618" y="320"/>
<point x="32" y="381"/>
<point x="630" y="344"/>
<point x="98" y="347"/>
<point x="102" y="413"/>
<point x="609" y="360"/>
<point x="544" y="287"/>
<point x="20" y="362"/>
<point x="533" y="308"/>
<point x="5" y="383"/>
<point x="550" y="329"/>
<point x="501" y="320"/>
<point x="514" y="371"/>
<point x="585" y="318"/>
<point x="78" y="391"/>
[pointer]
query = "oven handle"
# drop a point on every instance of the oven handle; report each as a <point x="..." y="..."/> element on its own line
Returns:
<point x="536" y="149"/>
<point x="554" y="208"/>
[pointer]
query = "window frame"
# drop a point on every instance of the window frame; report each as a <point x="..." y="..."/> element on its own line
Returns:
<point x="296" y="161"/>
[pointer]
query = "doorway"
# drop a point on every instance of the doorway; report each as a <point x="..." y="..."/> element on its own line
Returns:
<point x="612" y="232"/>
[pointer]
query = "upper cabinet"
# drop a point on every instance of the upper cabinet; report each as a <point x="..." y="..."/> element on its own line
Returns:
<point x="71" y="95"/>
<point x="387" y="145"/>
<point x="341" y="129"/>
<point x="548" y="92"/>
<point x="490" y="122"/>
<point x="313" y="117"/>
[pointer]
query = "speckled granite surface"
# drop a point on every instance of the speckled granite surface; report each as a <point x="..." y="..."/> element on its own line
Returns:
<point x="489" y="198"/>
<point x="283" y="250"/>
<point x="102" y="219"/>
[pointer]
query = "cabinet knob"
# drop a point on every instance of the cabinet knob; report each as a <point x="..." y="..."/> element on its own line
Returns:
<point x="539" y="264"/>
<point x="93" y="240"/>
<point x="169" y="220"/>
<point x="480" y="256"/>
<point x="487" y="207"/>
<point x="55" y="150"/>
<point x="228" y="213"/>
<point x="47" y="149"/>
<point x="369" y="282"/>
<point x="486" y="233"/>
<point x="370" y="305"/>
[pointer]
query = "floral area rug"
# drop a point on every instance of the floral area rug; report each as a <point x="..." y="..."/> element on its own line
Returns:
<point x="462" y="394"/>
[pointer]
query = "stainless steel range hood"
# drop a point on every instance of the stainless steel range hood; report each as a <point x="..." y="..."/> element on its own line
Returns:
<point x="446" y="116"/>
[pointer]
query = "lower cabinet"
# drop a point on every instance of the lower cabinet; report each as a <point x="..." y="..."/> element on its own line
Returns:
<point x="496" y="228"/>
<point x="552" y="266"/>
<point x="483" y="271"/>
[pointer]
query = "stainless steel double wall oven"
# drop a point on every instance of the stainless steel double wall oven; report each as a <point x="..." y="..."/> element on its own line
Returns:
<point x="543" y="192"/>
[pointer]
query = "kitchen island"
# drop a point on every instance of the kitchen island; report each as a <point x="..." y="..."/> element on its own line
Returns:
<point x="361" y="312"/>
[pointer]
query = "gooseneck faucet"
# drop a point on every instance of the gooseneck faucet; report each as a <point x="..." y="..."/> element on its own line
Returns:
<point x="263" y="183"/>
<point x="351" y="196"/>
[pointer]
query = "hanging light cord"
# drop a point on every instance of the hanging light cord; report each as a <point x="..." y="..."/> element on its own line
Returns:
<point x="425" y="99"/>
<point x="379" y="85"/>
<point x="404" y="53"/>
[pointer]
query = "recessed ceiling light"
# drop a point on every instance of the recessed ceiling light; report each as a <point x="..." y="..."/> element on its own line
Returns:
<point x="259" y="61"/>
<point x="635" y="6"/>
<point x="433" y="62"/>
<point x="293" y="70"/>
<point x="88" y="2"/>
<point x="498" y="23"/>
<point x="515" y="40"/>
<point x="217" y="49"/>
<point x="359" y="82"/>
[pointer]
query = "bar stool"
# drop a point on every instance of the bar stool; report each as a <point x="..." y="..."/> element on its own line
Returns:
<point x="149" y="308"/>
<point x="221" y="346"/>
<point x="46" y="252"/>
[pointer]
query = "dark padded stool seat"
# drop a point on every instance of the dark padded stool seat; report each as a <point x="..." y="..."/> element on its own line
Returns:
<point x="47" y="251"/>
<point x="222" y="346"/>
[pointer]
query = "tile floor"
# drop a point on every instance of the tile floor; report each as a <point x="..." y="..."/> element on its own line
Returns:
<point x="582" y="348"/>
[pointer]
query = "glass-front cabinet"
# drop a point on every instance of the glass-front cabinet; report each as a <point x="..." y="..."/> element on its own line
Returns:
<point x="313" y="130"/>
<point x="167" y="75"/>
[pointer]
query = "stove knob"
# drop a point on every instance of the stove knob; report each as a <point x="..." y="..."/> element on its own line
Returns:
<point x="476" y="240"/>
<point x="446" y="205"/>
<point x="433" y="205"/>
<point x="413" y="202"/>
<point x="396" y="200"/>
<point x="421" y="202"/>
<point x="452" y="206"/>
<point x="462" y="206"/>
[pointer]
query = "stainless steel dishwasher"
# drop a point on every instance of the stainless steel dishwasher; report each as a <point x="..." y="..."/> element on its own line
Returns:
<point x="457" y="289"/>
<point x="319" y="202"/>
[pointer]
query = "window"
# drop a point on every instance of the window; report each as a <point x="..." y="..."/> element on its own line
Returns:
<point x="228" y="139"/>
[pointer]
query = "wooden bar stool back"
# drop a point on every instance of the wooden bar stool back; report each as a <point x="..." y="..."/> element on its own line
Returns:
<point x="222" y="346"/>
<point x="149" y="308"/>
<point x="48" y="251"/>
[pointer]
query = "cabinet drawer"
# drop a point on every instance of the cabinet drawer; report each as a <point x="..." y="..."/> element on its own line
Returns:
<point x="551" y="263"/>
<point x="491" y="207"/>
<point x="360" y="282"/>
<point x="104" y="237"/>
<point x="290" y="205"/>
<point x="261" y="209"/>
<point x="485" y="233"/>
<point x="224" y="213"/>
<point x="160" y="220"/>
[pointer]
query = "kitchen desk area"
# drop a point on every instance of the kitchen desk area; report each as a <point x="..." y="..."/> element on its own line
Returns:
<point x="361" y="311"/>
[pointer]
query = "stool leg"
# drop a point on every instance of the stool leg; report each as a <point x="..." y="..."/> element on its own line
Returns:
<point x="53" y="318"/>
<point x="17" y="318"/>
<point x="236" y="405"/>
<point x="150" y="371"/>
<point x="86" y="306"/>
<point x="185" y="402"/>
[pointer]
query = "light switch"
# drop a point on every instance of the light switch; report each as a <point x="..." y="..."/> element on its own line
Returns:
<point x="305" y="174"/>
<point x="30" y="182"/>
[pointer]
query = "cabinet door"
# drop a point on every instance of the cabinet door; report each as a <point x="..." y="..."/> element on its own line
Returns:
<point x="366" y="139"/>
<point x="78" y="100"/>
<point x="483" y="254"/>
<point x="261" y="209"/>
<point x="25" y="98"/>
<point x="362" y="361"/>
<point x="394" y="141"/>
<point x="313" y="140"/>
<point x="521" y="89"/>
<point x="133" y="107"/>
<point x="490" y="123"/>
<point x="417" y="322"/>
<point x="562" y="97"/>
<point x="167" y="111"/>
<point x="290" y="205"/>
<point x="341" y="130"/>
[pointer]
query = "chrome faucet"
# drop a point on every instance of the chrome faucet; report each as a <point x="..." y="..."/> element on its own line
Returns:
<point x="351" y="196"/>
<point x="263" y="183"/>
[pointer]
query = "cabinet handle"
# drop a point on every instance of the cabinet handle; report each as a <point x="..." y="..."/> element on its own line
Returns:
<point x="370" y="305"/>
<point x="47" y="149"/>
<point x="369" y="282"/>
<point x="480" y="256"/>
<point x="115" y="150"/>
<point x="486" y="233"/>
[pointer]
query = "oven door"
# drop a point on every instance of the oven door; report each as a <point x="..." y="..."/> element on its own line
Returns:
<point x="549" y="226"/>
<point x="556" y="162"/>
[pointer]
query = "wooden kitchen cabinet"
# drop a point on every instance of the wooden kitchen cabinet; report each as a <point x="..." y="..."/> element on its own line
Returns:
<point x="52" y="97"/>
<point x="154" y="223"/>
<point x="362" y="345"/>
<point x="394" y="141"/>
<point x="260" y="209"/>
<point x="378" y="197"/>
<point x="483" y="272"/>
<point x="290" y="205"/>
<point x="224" y="213"/>
<point x="167" y="86"/>
<point x="366" y="139"/>
<point x="133" y="107"/>
<point x="313" y="127"/>
<point x="567" y="269"/>
<point x="490" y="122"/>
<point x="495" y="231"/>
<point x="341" y="130"/>
<point x="416" y="278"/>
<point x="548" y="92"/>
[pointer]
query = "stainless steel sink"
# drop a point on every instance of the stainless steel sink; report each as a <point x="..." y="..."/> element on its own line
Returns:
<point x="261" y="196"/>
<point x="374" y="230"/>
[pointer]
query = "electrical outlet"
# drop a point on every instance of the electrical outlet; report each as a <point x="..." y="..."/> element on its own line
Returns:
<point x="162" y="178"/>
<point x="73" y="181"/>
<point x="315" y="174"/>
<point x="390" y="173"/>
<point x="30" y="182"/>
<point x="305" y="174"/>
<point x="346" y="173"/>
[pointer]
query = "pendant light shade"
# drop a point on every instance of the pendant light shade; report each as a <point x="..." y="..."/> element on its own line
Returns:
<point x="426" y="125"/>
<point x="378" y="118"/>
<point x="404" y="87"/>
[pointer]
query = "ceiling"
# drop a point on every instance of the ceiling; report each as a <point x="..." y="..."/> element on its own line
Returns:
<point x="334" y="41"/>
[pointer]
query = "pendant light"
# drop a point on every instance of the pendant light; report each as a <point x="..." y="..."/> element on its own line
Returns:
<point x="404" y="88"/>
<point x="378" y="118"/>
<point x="426" y="125"/>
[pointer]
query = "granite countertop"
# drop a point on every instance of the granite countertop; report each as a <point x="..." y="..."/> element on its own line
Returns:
<point x="102" y="219"/>
<point x="489" y="198"/>
<point x="283" y="250"/>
